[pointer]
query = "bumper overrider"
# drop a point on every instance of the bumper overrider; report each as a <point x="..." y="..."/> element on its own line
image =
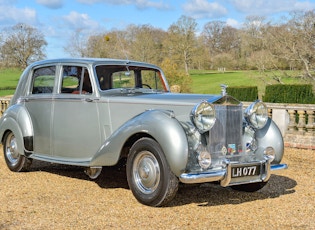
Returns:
<point x="235" y="173"/>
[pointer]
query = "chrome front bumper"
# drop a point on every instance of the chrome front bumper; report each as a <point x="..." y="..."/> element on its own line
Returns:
<point x="225" y="175"/>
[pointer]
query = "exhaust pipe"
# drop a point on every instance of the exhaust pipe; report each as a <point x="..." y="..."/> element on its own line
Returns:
<point x="93" y="172"/>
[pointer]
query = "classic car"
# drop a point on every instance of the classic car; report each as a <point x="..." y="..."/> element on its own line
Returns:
<point x="95" y="112"/>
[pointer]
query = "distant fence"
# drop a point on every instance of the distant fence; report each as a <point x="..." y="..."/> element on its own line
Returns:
<point x="4" y="104"/>
<point x="295" y="121"/>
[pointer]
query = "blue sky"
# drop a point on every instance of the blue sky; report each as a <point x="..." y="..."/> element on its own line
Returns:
<point x="58" y="19"/>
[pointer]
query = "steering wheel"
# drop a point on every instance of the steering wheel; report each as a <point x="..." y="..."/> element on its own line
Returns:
<point x="147" y="86"/>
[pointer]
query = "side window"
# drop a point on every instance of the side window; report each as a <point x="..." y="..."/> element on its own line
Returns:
<point x="44" y="80"/>
<point x="76" y="80"/>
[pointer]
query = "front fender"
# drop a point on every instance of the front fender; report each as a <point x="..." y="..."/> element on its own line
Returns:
<point x="270" y="135"/>
<point x="162" y="126"/>
<point x="17" y="119"/>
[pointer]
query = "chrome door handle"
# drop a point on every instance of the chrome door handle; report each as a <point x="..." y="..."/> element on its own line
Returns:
<point x="89" y="100"/>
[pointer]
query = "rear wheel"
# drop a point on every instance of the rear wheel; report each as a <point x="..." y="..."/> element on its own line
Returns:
<point x="14" y="160"/>
<point x="249" y="187"/>
<point x="149" y="176"/>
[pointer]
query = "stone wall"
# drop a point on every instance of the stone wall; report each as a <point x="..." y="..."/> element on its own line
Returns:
<point x="296" y="123"/>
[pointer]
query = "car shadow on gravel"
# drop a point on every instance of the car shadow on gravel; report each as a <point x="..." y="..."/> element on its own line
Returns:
<point x="212" y="194"/>
<point x="207" y="194"/>
<point x="110" y="177"/>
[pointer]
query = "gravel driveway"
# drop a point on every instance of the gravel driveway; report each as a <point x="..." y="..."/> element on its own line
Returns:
<point x="53" y="196"/>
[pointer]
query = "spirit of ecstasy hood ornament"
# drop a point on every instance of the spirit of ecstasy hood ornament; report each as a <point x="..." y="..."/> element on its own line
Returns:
<point x="223" y="89"/>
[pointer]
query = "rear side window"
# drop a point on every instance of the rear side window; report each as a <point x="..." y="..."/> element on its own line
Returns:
<point x="76" y="80"/>
<point x="44" y="80"/>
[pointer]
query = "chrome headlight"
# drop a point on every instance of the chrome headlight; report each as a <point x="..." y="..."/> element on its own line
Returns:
<point x="203" y="116"/>
<point x="256" y="114"/>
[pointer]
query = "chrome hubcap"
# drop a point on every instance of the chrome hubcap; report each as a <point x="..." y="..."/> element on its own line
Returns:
<point x="11" y="150"/>
<point x="146" y="172"/>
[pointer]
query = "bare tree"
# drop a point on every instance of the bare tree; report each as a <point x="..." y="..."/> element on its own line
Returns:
<point x="181" y="42"/>
<point x="76" y="46"/>
<point x="22" y="44"/>
<point x="259" y="44"/>
<point x="220" y="37"/>
<point x="294" y="42"/>
<point x="252" y="38"/>
<point x="302" y="28"/>
<point x="113" y="44"/>
<point x="222" y="42"/>
<point x="146" y="43"/>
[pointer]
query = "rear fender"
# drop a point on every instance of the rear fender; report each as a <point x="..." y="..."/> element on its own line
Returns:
<point x="17" y="119"/>
<point x="162" y="126"/>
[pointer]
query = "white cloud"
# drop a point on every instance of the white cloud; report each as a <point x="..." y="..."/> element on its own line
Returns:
<point x="52" y="4"/>
<point x="232" y="22"/>
<point x="76" y="20"/>
<point x="204" y="9"/>
<point x="144" y="4"/>
<point x="10" y="14"/>
<point x="59" y="33"/>
<point x="267" y="7"/>
<point x="7" y="2"/>
<point x="140" y="4"/>
<point x="304" y="5"/>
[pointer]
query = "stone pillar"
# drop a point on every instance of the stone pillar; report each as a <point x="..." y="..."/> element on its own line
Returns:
<point x="310" y="124"/>
<point x="301" y="124"/>
<point x="281" y="118"/>
<point x="292" y="124"/>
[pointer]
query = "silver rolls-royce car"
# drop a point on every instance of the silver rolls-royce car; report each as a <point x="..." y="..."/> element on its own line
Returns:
<point x="95" y="112"/>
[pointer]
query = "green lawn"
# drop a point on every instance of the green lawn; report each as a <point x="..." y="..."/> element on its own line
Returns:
<point x="207" y="82"/>
<point x="8" y="81"/>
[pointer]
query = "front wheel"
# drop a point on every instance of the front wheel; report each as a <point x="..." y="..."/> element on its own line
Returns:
<point x="249" y="187"/>
<point x="149" y="176"/>
<point x="14" y="160"/>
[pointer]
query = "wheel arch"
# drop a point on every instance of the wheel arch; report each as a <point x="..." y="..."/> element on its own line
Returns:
<point x="17" y="120"/>
<point x="10" y="125"/>
<point x="131" y="140"/>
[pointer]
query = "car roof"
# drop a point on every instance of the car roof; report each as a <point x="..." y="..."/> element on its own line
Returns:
<point x="93" y="61"/>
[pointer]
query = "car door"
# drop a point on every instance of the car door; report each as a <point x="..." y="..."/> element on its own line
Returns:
<point x="76" y="131"/>
<point x="39" y="105"/>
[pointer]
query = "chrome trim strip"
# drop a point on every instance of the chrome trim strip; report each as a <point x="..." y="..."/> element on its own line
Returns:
<point x="192" y="178"/>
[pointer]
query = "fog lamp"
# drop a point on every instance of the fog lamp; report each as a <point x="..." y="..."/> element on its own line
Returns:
<point x="204" y="159"/>
<point x="270" y="152"/>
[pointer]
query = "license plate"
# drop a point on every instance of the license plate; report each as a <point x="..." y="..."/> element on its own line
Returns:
<point x="245" y="171"/>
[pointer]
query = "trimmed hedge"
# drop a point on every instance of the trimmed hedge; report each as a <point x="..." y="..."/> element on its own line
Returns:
<point x="300" y="94"/>
<point x="7" y="88"/>
<point x="243" y="93"/>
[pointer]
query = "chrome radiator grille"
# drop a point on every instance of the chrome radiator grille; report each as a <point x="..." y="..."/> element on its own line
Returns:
<point x="225" y="137"/>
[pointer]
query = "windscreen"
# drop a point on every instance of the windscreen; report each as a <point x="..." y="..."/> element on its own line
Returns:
<point x="121" y="76"/>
